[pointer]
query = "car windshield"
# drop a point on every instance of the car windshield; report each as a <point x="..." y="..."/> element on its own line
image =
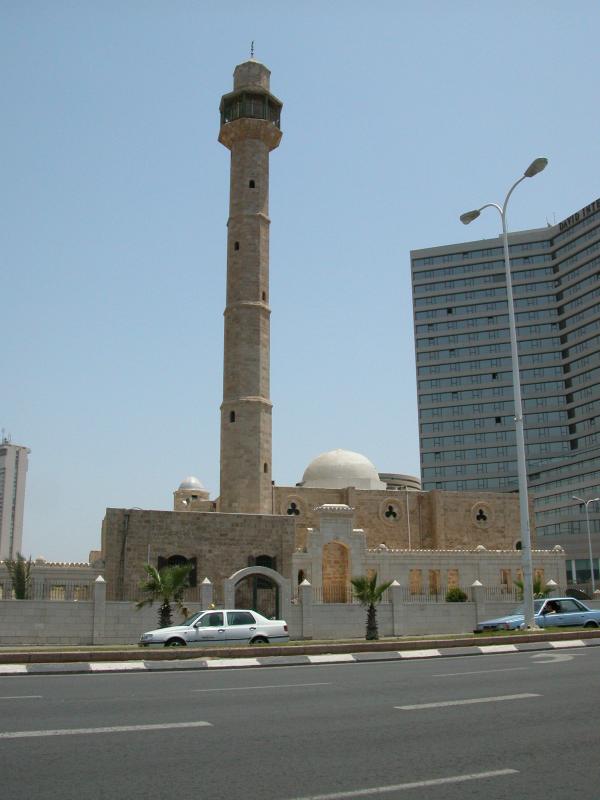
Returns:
<point x="537" y="604"/>
<point x="192" y="619"/>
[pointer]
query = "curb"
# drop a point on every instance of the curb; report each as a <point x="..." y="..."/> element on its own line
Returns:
<point x="139" y="665"/>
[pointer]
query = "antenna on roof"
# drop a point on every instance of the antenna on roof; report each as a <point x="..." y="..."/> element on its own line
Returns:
<point x="252" y="49"/>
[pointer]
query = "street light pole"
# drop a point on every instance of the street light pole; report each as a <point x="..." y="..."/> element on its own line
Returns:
<point x="526" y="561"/>
<point x="587" y="519"/>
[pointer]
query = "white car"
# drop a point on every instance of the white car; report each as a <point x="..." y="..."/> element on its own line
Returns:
<point x="230" y="626"/>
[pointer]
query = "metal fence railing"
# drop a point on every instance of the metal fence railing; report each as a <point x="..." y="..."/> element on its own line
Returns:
<point x="132" y="591"/>
<point x="334" y="593"/>
<point x="499" y="593"/>
<point x="430" y="594"/>
<point x="51" y="590"/>
<point x="344" y="594"/>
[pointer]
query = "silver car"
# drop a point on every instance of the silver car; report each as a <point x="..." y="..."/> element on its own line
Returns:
<point x="228" y="626"/>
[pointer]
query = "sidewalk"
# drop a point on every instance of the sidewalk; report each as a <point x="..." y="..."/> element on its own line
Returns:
<point x="34" y="662"/>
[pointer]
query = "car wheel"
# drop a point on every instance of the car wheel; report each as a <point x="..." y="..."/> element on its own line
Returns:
<point x="591" y="624"/>
<point x="175" y="643"/>
<point x="260" y="640"/>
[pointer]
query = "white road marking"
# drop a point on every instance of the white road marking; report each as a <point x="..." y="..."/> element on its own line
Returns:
<point x="401" y="787"/>
<point x="116" y="729"/>
<point x="234" y="662"/>
<point x="552" y="658"/>
<point x="268" y="686"/>
<point x="113" y="666"/>
<point x="443" y="703"/>
<point x="13" y="669"/>
<point x="22" y="697"/>
<point x="330" y="658"/>
<point x="568" y="643"/>
<point x="418" y="653"/>
<point x="498" y="648"/>
<point x="475" y="672"/>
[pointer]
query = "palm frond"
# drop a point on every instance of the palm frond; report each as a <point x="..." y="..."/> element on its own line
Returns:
<point x="166" y="585"/>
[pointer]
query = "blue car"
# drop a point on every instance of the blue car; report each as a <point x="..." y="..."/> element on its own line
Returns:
<point x="551" y="612"/>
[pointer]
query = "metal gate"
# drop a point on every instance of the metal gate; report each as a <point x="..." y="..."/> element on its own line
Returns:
<point x="258" y="593"/>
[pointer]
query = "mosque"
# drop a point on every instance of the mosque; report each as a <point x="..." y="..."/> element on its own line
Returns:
<point x="258" y="541"/>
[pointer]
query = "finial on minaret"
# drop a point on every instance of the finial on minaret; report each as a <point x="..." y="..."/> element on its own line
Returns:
<point x="252" y="49"/>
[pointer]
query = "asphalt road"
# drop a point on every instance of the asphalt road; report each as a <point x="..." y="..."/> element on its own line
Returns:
<point x="521" y="725"/>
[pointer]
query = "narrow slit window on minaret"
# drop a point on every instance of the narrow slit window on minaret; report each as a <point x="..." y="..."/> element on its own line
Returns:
<point x="264" y="296"/>
<point x="236" y="245"/>
<point x="251" y="185"/>
<point x="232" y="416"/>
<point x="265" y="467"/>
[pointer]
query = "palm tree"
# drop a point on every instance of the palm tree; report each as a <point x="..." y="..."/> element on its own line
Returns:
<point x="166" y="585"/>
<point x="368" y="593"/>
<point x="539" y="589"/>
<point x="19" y="571"/>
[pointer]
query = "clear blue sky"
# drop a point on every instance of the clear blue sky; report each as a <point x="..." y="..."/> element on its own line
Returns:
<point x="397" y="117"/>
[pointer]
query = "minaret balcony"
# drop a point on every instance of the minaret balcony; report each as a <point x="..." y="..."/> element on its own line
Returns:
<point x="250" y="105"/>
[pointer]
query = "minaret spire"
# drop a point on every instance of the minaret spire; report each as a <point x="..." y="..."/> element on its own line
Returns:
<point x="250" y="129"/>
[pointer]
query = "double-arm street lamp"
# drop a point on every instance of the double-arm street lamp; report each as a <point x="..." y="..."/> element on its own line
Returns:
<point x="526" y="563"/>
<point x="587" y="519"/>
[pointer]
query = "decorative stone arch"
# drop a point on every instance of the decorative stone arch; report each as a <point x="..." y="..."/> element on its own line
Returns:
<point x="284" y="589"/>
<point x="336" y="571"/>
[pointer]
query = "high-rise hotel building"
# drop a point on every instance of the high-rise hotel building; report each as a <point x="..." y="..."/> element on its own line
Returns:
<point x="464" y="379"/>
<point x="13" y="473"/>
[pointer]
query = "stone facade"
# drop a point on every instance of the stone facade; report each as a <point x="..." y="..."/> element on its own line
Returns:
<point x="411" y="520"/>
<point x="336" y="551"/>
<point x="218" y="544"/>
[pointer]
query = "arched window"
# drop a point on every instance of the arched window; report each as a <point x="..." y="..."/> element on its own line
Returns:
<point x="179" y="560"/>
<point x="265" y="561"/>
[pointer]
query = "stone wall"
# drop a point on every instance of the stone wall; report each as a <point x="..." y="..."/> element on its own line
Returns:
<point x="30" y="622"/>
<point x="221" y="543"/>
<point x="411" y="520"/>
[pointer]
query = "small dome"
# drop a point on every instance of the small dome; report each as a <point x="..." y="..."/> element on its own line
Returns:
<point x="339" y="469"/>
<point x="191" y="483"/>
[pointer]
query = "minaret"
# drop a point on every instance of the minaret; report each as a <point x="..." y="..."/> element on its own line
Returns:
<point x="250" y="129"/>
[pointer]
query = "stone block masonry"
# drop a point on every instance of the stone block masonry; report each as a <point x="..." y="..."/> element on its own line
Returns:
<point x="221" y="543"/>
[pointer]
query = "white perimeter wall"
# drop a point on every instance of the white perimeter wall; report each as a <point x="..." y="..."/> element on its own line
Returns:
<point x="44" y="622"/>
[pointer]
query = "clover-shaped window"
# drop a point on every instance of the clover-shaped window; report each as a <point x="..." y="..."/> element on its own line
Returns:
<point x="293" y="510"/>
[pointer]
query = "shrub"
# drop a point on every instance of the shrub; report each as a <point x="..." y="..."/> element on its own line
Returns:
<point x="455" y="595"/>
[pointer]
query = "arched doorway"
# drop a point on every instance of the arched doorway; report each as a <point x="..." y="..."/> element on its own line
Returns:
<point x="258" y="590"/>
<point x="336" y="573"/>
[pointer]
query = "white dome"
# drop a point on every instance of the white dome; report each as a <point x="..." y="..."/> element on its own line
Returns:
<point x="191" y="483"/>
<point x="339" y="469"/>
